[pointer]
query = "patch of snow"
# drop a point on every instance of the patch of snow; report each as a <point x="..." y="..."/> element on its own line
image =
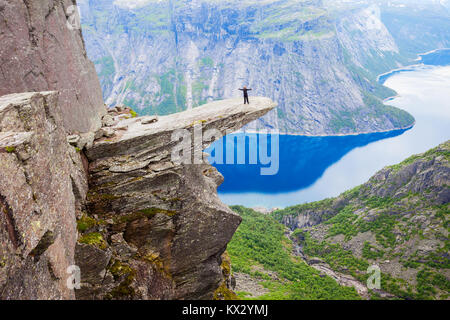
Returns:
<point x="134" y="4"/>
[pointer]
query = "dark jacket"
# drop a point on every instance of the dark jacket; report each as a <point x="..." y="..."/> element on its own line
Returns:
<point x="245" y="91"/>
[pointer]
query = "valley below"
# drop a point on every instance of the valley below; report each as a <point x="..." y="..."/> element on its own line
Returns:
<point x="396" y="222"/>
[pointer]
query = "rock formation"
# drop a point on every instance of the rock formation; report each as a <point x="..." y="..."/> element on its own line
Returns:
<point x="84" y="188"/>
<point x="148" y="228"/>
<point x="40" y="52"/>
<point x="41" y="186"/>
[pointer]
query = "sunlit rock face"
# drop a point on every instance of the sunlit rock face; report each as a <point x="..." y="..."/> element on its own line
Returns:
<point x="161" y="222"/>
<point x="91" y="204"/>
<point x="40" y="51"/>
<point x="144" y="227"/>
<point x="41" y="186"/>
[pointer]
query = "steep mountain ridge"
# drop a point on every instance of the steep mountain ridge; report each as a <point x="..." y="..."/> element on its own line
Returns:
<point x="319" y="65"/>
<point x="398" y="221"/>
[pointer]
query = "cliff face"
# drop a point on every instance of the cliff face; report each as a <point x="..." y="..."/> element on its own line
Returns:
<point x="106" y="198"/>
<point x="318" y="63"/>
<point x="148" y="228"/>
<point x="39" y="52"/>
<point x="41" y="183"/>
<point x="160" y="223"/>
<point x="43" y="179"/>
<point x="398" y="220"/>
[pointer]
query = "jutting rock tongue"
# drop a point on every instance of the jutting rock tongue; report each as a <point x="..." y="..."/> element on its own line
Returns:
<point x="149" y="228"/>
<point x="160" y="225"/>
<point x="40" y="52"/>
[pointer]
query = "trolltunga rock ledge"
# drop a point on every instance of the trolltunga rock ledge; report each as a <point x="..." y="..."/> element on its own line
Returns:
<point x="223" y="115"/>
<point x="162" y="223"/>
<point x="137" y="225"/>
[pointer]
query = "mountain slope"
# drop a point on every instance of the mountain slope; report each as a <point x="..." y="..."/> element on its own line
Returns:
<point x="318" y="63"/>
<point x="398" y="221"/>
<point x="263" y="262"/>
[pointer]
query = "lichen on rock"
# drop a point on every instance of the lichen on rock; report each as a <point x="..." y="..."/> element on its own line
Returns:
<point x="169" y="212"/>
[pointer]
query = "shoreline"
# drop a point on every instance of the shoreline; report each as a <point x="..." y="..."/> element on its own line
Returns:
<point x="263" y="209"/>
<point x="401" y="69"/>
<point x="329" y="135"/>
<point x="430" y="52"/>
<point x="388" y="74"/>
<point x="410" y="67"/>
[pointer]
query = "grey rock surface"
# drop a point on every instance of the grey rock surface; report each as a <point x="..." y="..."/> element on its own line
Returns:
<point x="41" y="185"/>
<point x="169" y="212"/>
<point x="147" y="228"/>
<point x="39" y="52"/>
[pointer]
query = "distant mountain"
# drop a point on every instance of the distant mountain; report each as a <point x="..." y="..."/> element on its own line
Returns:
<point x="317" y="59"/>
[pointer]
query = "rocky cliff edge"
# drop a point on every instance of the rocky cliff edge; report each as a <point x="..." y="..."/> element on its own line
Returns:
<point x="138" y="225"/>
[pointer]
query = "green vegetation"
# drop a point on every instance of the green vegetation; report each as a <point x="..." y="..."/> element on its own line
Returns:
<point x="124" y="273"/>
<point x="85" y="223"/>
<point x="10" y="149"/>
<point x="298" y="209"/>
<point x="107" y="68"/>
<point x="367" y="78"/>
<point x="343" y="119"/>
<point x="206" y="62"/>
<point x="385" y="228"/>
<point x="172" y="94"/>
<point x="429" y="30"/>
<point x="348" y="224"/>
<point x="430" y="154"/>
<point x="399" y="118"/>
<point x="260" y="241"/>
<point x="223" y="293"/>
<point x="133" y="113"/>
<point x="428" y="281"/>
<point x="285" y="22"/>
<point x="345" y="262"/>
<point x="346" y="120"/>
<point x="370" y="252"/>
<point x="333" y="254"/>
<point x="93" y="238"/>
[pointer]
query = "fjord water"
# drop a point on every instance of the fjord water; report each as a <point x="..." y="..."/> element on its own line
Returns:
<point x="314" y="168"/>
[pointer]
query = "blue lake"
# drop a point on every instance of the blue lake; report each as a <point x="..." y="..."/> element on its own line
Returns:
<point x="314" y="168"/>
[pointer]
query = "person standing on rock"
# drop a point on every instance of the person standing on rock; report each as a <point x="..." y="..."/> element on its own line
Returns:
<point x="245" y="90"/>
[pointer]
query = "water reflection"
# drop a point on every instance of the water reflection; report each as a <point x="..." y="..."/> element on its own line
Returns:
<point x="314" y="168"/>
<point x="302" y="160"/>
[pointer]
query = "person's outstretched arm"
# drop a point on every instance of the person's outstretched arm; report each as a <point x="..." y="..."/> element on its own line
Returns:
<point x="249" y="89"/>
<point x="241" y="89"/>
